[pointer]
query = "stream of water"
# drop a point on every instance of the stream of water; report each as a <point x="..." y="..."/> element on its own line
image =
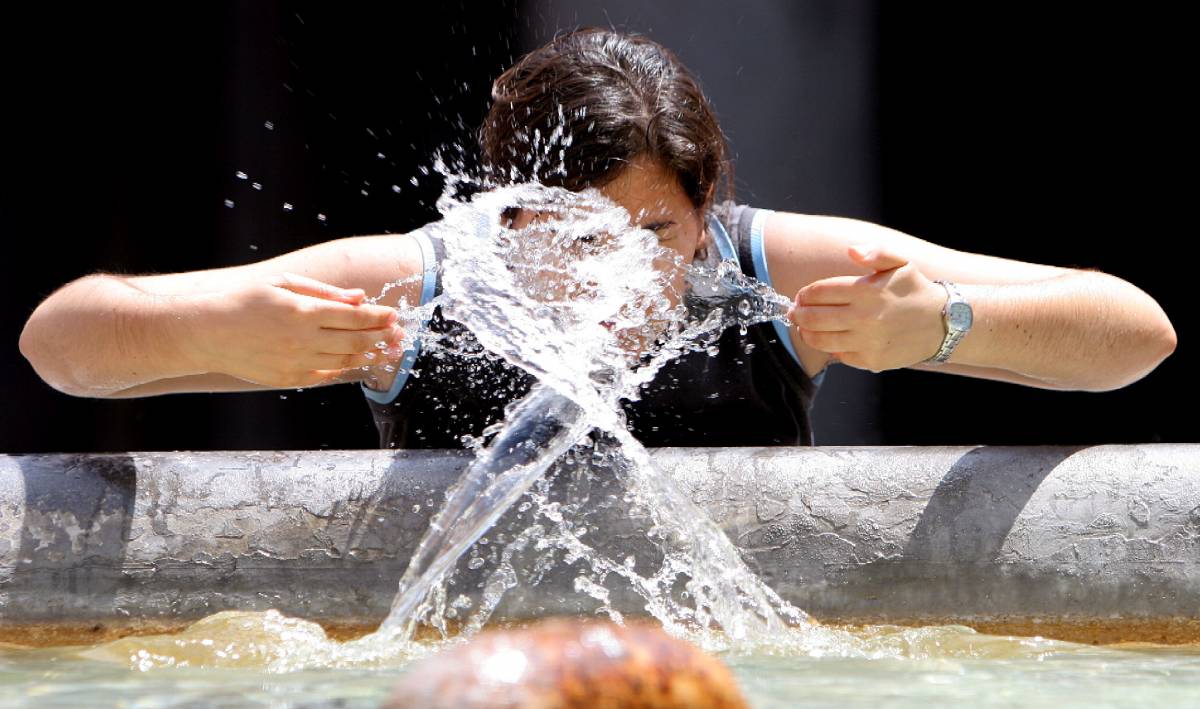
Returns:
<point x="539" y="297"/>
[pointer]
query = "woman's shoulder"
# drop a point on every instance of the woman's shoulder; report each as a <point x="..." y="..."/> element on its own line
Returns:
<point x="382" y="263"/>
<point x="739" y="218"/>
<point x="743" y="222"/>
<point x="730" y="211"/>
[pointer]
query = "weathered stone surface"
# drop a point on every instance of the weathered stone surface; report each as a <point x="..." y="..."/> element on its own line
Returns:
<point x="878" y="534"/>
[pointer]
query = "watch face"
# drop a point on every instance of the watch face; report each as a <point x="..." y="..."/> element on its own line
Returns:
<point x="960" y="316"/>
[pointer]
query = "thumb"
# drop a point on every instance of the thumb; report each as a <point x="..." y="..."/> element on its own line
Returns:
<point x="877" y="258"/>
<point x="304" y="285"/>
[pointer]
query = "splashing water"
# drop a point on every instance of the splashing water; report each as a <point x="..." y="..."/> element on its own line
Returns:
<point x="592" y="308"/>
<point x="565" y="445"/>
<point x="539" y="298"/>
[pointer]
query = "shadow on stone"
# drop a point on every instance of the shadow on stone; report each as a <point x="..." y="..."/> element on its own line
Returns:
<point x="74" y="534"/>
<point x="977" y="502"/>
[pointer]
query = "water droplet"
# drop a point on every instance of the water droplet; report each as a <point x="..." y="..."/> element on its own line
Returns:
<point x="475" y="563"/>
<point x="744" y="307"/>
<point x="320" y="217"/>
<point x="283" y="396"/>
<point x="254" y="247"/>
<point x="269" y="125"/>
<point x="287" y="206"/>
<point x="256" y="185"/>
<point x="229" y="203"/>
<point x="240" y="175"/>
<point x="381" y="156"/>
<point x="396" y="188"/>
<point x="416" y="508"/>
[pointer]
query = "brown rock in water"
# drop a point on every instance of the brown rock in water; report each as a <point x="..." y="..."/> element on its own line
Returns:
<point x="570" y="663"/>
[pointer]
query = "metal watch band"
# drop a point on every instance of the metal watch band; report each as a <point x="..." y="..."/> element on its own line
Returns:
<point x="952" y="337"/>
<point x="948" y="346"/>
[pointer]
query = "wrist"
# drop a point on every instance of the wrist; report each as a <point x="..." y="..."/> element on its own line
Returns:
<point x="956" y="315"/>
<point x="939" y="330"/>
<point x="939" y="317"/>
<point x="184" y="324"/>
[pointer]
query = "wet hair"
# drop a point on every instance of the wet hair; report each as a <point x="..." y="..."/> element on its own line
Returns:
<point x="574" y="112"/>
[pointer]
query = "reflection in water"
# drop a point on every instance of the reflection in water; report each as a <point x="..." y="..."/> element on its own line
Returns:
<point x="270" y="641"/>
<point x="884" y="666"/>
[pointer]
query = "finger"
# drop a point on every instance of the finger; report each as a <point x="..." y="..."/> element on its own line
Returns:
<point x="827" y="341"/>
<point x="822" y="318"/>
<point x="343" y="361"/>
<point x="336" y="376"/>
<point x="320" y="377"/>
<point x="339" y="316"/>
<point x="316" y="361"/>
<point x="878" y="258"/>
<point x="341" y="342"/>
<point x="839" y="290"/>
<point x="317" y="377"/>
<point x="304" y="285"/>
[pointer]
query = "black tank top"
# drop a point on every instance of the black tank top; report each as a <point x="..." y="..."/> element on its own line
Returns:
<point x="753" y="392"/>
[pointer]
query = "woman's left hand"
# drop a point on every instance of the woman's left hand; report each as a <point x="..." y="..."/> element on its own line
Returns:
<point x="886" y="320"/>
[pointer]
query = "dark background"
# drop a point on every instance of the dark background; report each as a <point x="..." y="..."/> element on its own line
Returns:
<point x="1053" y="135"/>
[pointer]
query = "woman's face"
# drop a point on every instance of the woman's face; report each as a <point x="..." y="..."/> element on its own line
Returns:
<point x="656" y="202"/>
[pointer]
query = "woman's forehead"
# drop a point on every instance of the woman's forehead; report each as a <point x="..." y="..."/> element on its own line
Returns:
<point x="648" y="190"/>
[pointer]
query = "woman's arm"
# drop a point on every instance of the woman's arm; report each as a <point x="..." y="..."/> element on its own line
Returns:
<point x="1042" y="326"/>
<point x="299" y="319"/>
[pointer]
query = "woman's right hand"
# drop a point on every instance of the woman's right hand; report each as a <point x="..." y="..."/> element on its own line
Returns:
<point x="289" y="332"/>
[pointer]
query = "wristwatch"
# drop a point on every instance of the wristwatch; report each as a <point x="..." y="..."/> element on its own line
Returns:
<point x="957" y="316"/>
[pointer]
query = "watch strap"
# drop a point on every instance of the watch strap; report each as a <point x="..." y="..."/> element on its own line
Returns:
<point x="953" y="337"/>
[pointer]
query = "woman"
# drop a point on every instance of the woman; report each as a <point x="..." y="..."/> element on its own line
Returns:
<point x="644" y="135"/>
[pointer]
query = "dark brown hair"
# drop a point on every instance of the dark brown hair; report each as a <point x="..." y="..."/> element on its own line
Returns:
<point x="574" y="112"/>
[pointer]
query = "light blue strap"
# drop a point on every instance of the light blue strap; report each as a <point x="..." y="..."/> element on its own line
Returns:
<point x="721" y="238"/>
<point x="428" y="286"/>
<point x="759" y="254"/>
<point x="727" y="252"/>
